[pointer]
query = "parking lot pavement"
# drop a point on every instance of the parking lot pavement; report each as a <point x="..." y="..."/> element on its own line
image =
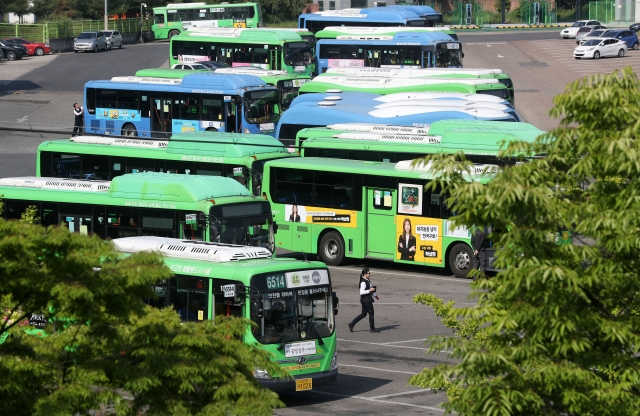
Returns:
<point x="560" y="51"/>
<point x="12" y="70"/>
<point x="374" y="369"/>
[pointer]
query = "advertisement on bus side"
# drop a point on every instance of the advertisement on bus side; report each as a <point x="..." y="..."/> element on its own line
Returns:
<point x="314" y="215"/>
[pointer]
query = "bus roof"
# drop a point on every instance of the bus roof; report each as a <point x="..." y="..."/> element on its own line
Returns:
<point x="387" y="82"/>
<point x="437" y="128"/>
<point x="402" y="169"/>
<point x="409" y="73"/>
<point x="374" y="30"/>
<point x="194" y="250"/>
<point x="378" y="99"/>
<point x="373" y="15"/>
<point x="205" y="81"/>
<point x="399" y="96"/>
<point x="238" y="35"/>
<point x="200" y="4"/>
<point x="420" y="37"/>
<point x="163" y="188"/>
<point x="200" y="146"/>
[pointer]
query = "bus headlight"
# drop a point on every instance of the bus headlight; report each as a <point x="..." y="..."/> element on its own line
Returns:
<point x="334" y="362"/>
<point x="260" y="373"/>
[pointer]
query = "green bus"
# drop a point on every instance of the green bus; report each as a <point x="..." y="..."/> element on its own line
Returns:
<point x="332" y="32"/>
<point x="386" y="85"/>
<point x="201" y="208"/>
<point x="271" y="49"/>
<point x="290" y="301"/>
<point x="446" y="73"/>
<point x="481" y="141"/>
<point x="173" y="19"/>
<point x="233" y="155"/>
<point x="362" y="209"/>
<point x="289" y="85"/>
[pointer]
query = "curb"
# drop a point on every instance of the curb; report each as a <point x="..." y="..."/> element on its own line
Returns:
<point x="522" y="26"/>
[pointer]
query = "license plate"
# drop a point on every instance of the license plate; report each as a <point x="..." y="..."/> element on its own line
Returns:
<point x="304" y="384"/>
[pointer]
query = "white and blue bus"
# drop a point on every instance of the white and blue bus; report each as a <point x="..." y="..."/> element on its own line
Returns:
<point x="402" y="50"/>
<point x="376" y="101"/>
<point x="323" y="113"/>
<point x="432" y="17"/>
<point x="377" y="16"/>
<point x="157" y="107"/>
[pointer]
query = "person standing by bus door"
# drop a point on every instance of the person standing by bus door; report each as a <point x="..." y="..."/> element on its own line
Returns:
<point x="367" y="294"/>
<point x="78" y="124"/>
<point x="479" y="245"/>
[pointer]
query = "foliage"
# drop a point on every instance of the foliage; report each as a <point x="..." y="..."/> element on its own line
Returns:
<point x="43" y="8"/>
<point x="282" y="10"/>
<point x="30" y="215"/>
<point x="102" y="339"/>
<point x="559" y="324"/>
<point x="18" y="7"/>
<point x="497" y="5"/>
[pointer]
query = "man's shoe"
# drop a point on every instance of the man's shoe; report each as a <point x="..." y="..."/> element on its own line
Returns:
<point x="350" y="327"/>
<point x="375" y="330"/>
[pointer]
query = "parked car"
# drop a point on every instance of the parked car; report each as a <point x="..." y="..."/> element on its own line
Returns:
<point x="90" y="41"/>
<point x="11" y="53"/>
<point x="114" y="38"/>
<point x="571" y="32"/>
<point x="594" y="34"/>
<point x="595" y="48"/>
<point x="33" y="48"/>
<point x="192" y="66"/>
<point x="627" y="36"/>
<point x="635" y="27"/>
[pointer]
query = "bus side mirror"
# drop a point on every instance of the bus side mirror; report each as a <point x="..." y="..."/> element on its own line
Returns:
<point x="336" y="302"/>
<point x="257" y="309"/>
<point x="275" y="227"/>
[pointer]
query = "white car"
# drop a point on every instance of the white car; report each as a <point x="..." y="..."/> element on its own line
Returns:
<point x="571" y="32"/>
<point x="114" y="39"/>
<point x="595" y="48"/>
<point x="193" y="67"/>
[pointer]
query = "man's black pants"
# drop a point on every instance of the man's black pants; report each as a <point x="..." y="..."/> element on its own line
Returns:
<point x="480" y="261"/>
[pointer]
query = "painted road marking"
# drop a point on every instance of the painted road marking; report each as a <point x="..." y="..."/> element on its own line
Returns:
<point x="377" y="400"/>
<point x="392" y="346"/>
<point x="377" y="368"/>
<point x="402" y="274"/>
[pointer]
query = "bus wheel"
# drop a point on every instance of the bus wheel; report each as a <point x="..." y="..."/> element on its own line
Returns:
<point x="129" y="130"/>
<point x="173" y="33"/>
<point x="211" y="129"/>
<point x="332" y="249"/>
<point x="461" y="260"/>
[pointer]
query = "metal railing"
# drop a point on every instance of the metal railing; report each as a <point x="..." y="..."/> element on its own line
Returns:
<point x="60" y="30"/>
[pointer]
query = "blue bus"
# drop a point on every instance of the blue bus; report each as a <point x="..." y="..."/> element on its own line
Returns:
<point x="371" y="100"/>
<point x="432" y="17"/>
<point x="402" y="50"/>
<point x="377" y="16"/>
<point x="323" y="113"/>
<point x="157" y="107"/>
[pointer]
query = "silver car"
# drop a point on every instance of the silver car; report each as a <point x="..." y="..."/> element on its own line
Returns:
<point x="592" y="34"/>
<point x="114" y="39"/>
<point x="90" y="41"/>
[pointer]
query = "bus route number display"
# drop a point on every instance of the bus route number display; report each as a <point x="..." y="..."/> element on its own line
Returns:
<point x="453" y="46"/>
<point x="276" y="282"/>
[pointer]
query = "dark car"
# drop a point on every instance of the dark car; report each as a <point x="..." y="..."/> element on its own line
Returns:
<point x="213" y="65"/>
<point x="11" y="53"/>
<point x="635" y="27"/>
<point x="33" y="48"/>
<point x="627" y="36"/>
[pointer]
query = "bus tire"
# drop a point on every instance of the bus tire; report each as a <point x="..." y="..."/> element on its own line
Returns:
<point x="129" y="130"/>
<point x="331" y="248"/>
<point x="461" y="260"/>
<point x="211" y="129"/>
<point x="173" y="33"/>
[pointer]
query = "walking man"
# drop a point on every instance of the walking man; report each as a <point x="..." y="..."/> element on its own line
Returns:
<point x="479" y="245"/>
<point x="367" y="294"/>
<point x="78" y="124"/>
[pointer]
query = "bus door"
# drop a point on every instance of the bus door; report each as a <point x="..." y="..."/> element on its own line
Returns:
<point x="161" y="120"/>
<point x="275" y="59"/>
<point x="381" y="227"/>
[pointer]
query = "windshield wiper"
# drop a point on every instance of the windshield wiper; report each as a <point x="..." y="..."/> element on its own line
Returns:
<point x="285" y="333"/>
<point x="315" y="331"/>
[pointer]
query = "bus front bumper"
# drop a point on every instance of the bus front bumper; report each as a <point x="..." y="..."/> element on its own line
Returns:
<point x="278" y="385"/>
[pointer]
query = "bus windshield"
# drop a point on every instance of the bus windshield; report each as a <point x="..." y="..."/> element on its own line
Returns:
<point x="295" y="315"/>
<point x="262" y="106"/>
<point x="448" y="58"/>
<point x="243" y="224"/>
<point x="297" y="54"/>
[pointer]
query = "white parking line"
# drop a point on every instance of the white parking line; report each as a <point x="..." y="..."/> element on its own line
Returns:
<point x="402" y="274"/>
<point x="377" y="368"/>
<point x="381" y="303"/>
<point x="387" y="345"/>
<point x="400" y="342"/>
<point x="404" y="393"/>
<point x="377" y="400"/>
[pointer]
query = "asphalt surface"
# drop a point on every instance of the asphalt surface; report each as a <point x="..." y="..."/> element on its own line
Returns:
<point x="38" y="93"/>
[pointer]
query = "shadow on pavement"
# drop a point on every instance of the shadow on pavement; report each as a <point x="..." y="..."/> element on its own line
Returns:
<point x="10" y="86"/>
